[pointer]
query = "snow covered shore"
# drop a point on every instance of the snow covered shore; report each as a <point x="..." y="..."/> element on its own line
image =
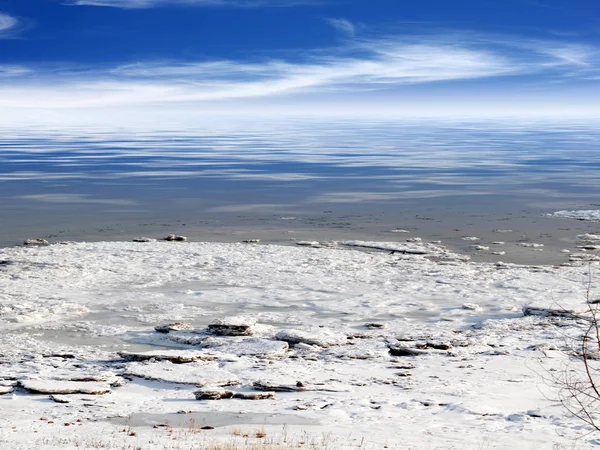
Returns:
<point x="126" y="345"/>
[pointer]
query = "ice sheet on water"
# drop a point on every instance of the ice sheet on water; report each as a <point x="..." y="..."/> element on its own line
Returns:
<point x="588" y="214"/>
<point x="194" y="373"/>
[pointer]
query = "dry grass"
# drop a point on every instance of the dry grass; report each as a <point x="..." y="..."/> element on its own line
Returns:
<point x="194" y="436"/>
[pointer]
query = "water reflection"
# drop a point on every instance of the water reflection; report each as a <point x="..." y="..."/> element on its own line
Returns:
<point x="294" y="167"/>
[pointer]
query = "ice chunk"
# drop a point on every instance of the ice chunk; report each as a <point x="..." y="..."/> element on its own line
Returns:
<point x="588" y="214"/>
<point x="173" y="237"/>
<point x="173" y="326"/>
<point x="256" y="347"/>
<point x="589" y="237"/>
<point x="36" y="242"/>
<point x="233" y="326"/>
<point x="322" y="338"/>
<point x="64" y="387"/>
<point x="174" y="356"/>
<point x="193" y="373"/>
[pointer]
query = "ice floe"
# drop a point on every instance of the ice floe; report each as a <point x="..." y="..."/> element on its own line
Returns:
<point x="588" y="214"/>
<point x="64" y="387"/>
<point x="233" y="326"/>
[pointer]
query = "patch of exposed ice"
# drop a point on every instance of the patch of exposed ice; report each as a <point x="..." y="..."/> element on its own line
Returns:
<point x="411" y="248"/>
<point x="589" y="247"/>
<point x="319" y="337"/>
<point x="36" y="242"/>
<point x="588" y="237"/>
<point x="6" y="389"/>
<point x="255" y="347"/>
<point x="173" y="326"/>
<point x="174" y="356"/>
<point x="64" y="387"/>
<point x="196" y="373"/>
<point x="589" y="214"/>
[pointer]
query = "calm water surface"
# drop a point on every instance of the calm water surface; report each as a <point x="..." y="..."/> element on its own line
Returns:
<point x="299" y="179"/>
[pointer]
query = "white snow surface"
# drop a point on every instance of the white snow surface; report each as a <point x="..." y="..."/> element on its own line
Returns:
<point x="476" y="381"/>
<point x="586" y="214"/>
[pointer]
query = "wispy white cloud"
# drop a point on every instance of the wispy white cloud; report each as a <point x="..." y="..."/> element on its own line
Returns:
<point x="141" y="4"/>
<point x="7" y="24"/>
<point x="8" y="70"/>
<point x="359" y="65"/>
<point x="343" y="25"/>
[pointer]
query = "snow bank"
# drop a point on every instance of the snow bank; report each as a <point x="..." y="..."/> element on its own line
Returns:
<point x="358" y="344"/>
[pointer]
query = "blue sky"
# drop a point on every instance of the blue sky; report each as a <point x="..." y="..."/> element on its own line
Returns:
<point x="102" y="58"/>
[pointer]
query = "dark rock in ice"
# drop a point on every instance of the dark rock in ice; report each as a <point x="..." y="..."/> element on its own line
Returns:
<point x="439" y="345"/>
<point x="542" y="347"/>
<point x="536" y="413"/>
<point x="212" y="394"/>
<point x="251" y="241"/>
<point x="308" y="243"/>
<point x="266" y="386"/>
<point x="374" y="325"/>
<point x="173" y="237"/>
<point x="173" y="326"/>
<point x="187" y="338"/>
<point x="253" y="395"/>
<point x="36" y="242"/>
<point x="404" y="367"/>
<point x="321" y="338"/>
<point x="60" y="399"/>
<point x="143" y="239"/>
<point x="589" y="247"/>
<point x="233" y="326"/>
<point x="219" y="394"/>
<point x="495" y="353"/>
<point x="60" y="355"/>
<point x="400" y="349"/>
<point x="549" y="312"/>
<point x="472" y="307"/>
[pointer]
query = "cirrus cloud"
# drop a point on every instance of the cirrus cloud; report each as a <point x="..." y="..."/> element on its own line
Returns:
<point x="141" y="4"/>
<point x="7" y="24"/>
<point x="361" y="64"/>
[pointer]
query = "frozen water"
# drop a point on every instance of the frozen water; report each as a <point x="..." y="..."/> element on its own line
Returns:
<point x="354" y="342"/>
